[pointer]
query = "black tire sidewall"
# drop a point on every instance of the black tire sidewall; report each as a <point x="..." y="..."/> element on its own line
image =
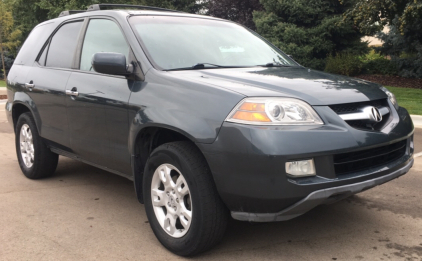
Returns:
<point x="190" y="239"/>
<point x="26" y="118"/>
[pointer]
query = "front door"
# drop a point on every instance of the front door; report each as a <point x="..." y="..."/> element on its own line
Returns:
<point x="97" y="103"/>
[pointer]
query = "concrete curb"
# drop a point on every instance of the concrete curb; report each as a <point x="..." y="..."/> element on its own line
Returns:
<point x="417" y="120"/>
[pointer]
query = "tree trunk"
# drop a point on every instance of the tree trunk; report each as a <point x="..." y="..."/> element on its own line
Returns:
<point x="2" y="60"/>
<point x="2" y="54"/>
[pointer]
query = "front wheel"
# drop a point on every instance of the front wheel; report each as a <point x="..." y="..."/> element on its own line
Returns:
<point x="181" y="201"/>
<point x="35" y="159"/>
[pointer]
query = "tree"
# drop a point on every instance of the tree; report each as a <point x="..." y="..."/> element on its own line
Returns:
<point x="372" y="16"/>
<point x="404" y="47"/>
<point x="403" y="43"/>
<point x="8" y="35"/>
<point x="309" y="30"/>
<point x="239" y="11"/>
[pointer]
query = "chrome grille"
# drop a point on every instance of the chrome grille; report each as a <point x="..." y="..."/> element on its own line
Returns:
<point x="353" y="109"/>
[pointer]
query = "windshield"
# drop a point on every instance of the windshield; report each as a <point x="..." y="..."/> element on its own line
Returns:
<point x="181" y="43"/>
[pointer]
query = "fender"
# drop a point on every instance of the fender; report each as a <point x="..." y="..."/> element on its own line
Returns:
<point x="195" y="111"/>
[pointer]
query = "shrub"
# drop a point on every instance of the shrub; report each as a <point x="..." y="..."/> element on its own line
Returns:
<point x="344" y="63"/>
<point x="375" y="63"/>
<point x="409" y="67"/>
<point x="381" y="66"/>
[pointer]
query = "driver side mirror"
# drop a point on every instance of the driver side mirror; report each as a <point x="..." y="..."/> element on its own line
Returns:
<point x="111" y="63"/>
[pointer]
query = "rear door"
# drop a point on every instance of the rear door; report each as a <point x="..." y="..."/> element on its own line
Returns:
<point x="97" y="103"/>
<point x="47" y="79"/>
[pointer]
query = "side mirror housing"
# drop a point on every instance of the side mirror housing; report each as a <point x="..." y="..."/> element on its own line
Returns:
<point x="111" y="63"/>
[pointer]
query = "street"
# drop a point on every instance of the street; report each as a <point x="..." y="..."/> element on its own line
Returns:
<point x="84" y="213"/>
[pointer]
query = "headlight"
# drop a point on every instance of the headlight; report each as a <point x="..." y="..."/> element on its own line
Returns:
<point x="274" y="111"/>
<point x="391" y="97"/>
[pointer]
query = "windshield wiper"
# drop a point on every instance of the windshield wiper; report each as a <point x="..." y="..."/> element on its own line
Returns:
<point x="200" y="66"/>
<point x="275" y="65"/>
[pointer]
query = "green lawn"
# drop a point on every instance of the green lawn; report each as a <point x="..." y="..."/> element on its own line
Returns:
<point x="2" y="83"/>
<point x="411" y="99"/>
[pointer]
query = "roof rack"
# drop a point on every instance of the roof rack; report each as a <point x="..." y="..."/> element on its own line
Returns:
<point x="70" y="12"/>
<point x="116" y="6"/>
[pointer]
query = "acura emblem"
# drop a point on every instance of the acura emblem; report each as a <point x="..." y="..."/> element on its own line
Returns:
<point x="376" y="115"/>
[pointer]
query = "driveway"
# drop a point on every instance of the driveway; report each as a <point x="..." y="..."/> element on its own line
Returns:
<point x="83" y="213"/>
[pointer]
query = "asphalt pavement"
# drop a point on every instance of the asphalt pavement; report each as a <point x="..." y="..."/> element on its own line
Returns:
<point x="83" y="213"/>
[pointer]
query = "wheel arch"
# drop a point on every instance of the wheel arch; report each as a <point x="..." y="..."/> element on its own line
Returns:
<point x="146" y="140"/>
<point x="18" y="109"/>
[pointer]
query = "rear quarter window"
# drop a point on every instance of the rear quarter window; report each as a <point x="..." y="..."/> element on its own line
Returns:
<point x="34" y="43"/>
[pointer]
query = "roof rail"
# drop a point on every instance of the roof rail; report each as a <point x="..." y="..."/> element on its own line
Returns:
<point x="70" y="12"/>
<point x="116" y="6"/>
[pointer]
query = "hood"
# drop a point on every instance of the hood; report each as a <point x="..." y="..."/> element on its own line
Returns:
<point x="314" y="87"/>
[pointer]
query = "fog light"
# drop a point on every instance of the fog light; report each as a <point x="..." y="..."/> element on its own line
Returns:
<point x="301" y="168"/>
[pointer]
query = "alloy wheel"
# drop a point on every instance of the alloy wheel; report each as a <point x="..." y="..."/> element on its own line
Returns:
<point x="26" y="145"/>
<point x="171" y="200"/>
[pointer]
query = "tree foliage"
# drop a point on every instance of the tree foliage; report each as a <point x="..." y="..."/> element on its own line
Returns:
<point x="9" y="35"/>
<point x="403" y="42"/>
<point x="372" y="16"/>
<point x="239" y="11"/>
<point x="404" y="47"/>
<point x="309" y="30"/>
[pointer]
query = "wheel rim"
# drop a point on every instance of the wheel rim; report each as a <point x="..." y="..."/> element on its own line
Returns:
<point x="26" y="146"/>
<point x="171" y="200"/>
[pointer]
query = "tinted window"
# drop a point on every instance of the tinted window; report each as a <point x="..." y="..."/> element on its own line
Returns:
<point x="63" y="46"/>
<point x="34" y="43"/>
<point x="102" y="36"/>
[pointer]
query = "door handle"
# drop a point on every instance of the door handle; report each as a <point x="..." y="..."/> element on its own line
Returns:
<point x="72" y="92"/>
<point x="30" y="85"/>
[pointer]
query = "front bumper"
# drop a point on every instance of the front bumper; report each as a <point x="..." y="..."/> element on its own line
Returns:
<point x="319" y="197"/>
<point x="248" y="163"/>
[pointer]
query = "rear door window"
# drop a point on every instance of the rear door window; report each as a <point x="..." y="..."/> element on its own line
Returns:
<point x="102" y="35"/>
<point x="62" y="47"/>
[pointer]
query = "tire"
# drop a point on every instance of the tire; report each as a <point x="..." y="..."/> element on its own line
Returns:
<point x="208" y="214"/>
<point x="35" y="159"/>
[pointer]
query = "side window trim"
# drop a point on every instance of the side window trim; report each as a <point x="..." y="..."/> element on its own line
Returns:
<point x="81" y="39"/>
<point x="44" y="48"/>
<point x="48" y="42"/>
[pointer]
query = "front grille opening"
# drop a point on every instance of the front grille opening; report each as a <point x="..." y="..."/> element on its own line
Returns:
<point x="363" y="124"/>
<point x="366" y="159"/>
<point x="354" y="107"/>
<point x="373" y="126"/>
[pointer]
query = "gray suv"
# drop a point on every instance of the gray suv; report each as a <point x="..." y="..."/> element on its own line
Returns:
<point x="205" y="116"/>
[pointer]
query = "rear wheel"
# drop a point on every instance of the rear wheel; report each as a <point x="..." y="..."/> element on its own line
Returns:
<point x="35" y="159"/>
<point x="181" y="201"/>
